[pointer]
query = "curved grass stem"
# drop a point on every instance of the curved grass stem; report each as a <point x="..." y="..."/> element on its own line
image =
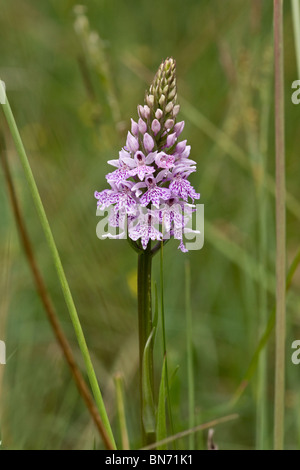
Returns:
<point x="59" y="269"/>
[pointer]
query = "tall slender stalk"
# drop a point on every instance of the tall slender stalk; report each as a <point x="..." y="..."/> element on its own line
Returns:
<point x="145" y="329"/>
<point x="59" y="268"/>
<point x="280" y="229"/>
<point x="296" y="26"/>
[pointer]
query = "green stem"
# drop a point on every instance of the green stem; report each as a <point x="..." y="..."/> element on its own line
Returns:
<point x="145" y="326"/>
<point x="280" y="229"/>
<point x="59" y="268"/>
<point x="296" y="26"/>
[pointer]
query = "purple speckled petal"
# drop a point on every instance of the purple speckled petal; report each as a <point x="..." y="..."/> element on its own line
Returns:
<point x="146" y="198"/>
<point x="144" y="170"/>
<point x="163" y="160"/>
<point x="182" y="247"/>
<point x="183" y="188"/>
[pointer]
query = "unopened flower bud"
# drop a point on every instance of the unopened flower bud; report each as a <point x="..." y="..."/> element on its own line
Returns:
<point x="162" y="100"/>
<point x="132" y="143"/>
<point x="176" y="110"/>
<point x="148" y="142"/>
<point x="171" y="139"/>
<point x="150" y="100"/>
<point x="141" y="111"/>
<point x="178" y="128"/>
<point x="134" y="128"/>
<point x="169" y="107"/>
<point x="180" y="147"/>
<point x="155" y="126"/>
<point x="172" y="94"/>
<point x="186" y="152"/>
<point x="158" y="113"/>
<point x="169" y="123"/>
<point x="142" y="126"/>
<point x="146" y="111"/>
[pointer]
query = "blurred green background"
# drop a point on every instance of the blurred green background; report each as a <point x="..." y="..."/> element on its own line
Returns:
<point x="73" y="94"/>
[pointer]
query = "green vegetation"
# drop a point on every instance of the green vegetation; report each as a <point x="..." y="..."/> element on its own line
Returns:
<point x="72" y="93"/>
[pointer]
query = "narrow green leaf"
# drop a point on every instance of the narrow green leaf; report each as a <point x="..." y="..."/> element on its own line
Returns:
<point x="174" y="374"/>
<point x="155" y="316"/>
<point x="121" y="411"/>
<point x="161" y="425"/>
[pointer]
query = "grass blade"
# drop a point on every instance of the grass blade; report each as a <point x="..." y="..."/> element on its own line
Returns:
<point x="161" y="425"/>
<point x="121" y="412"/>
<point x="296" y="25"/>
<point x="59" y="268"/>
